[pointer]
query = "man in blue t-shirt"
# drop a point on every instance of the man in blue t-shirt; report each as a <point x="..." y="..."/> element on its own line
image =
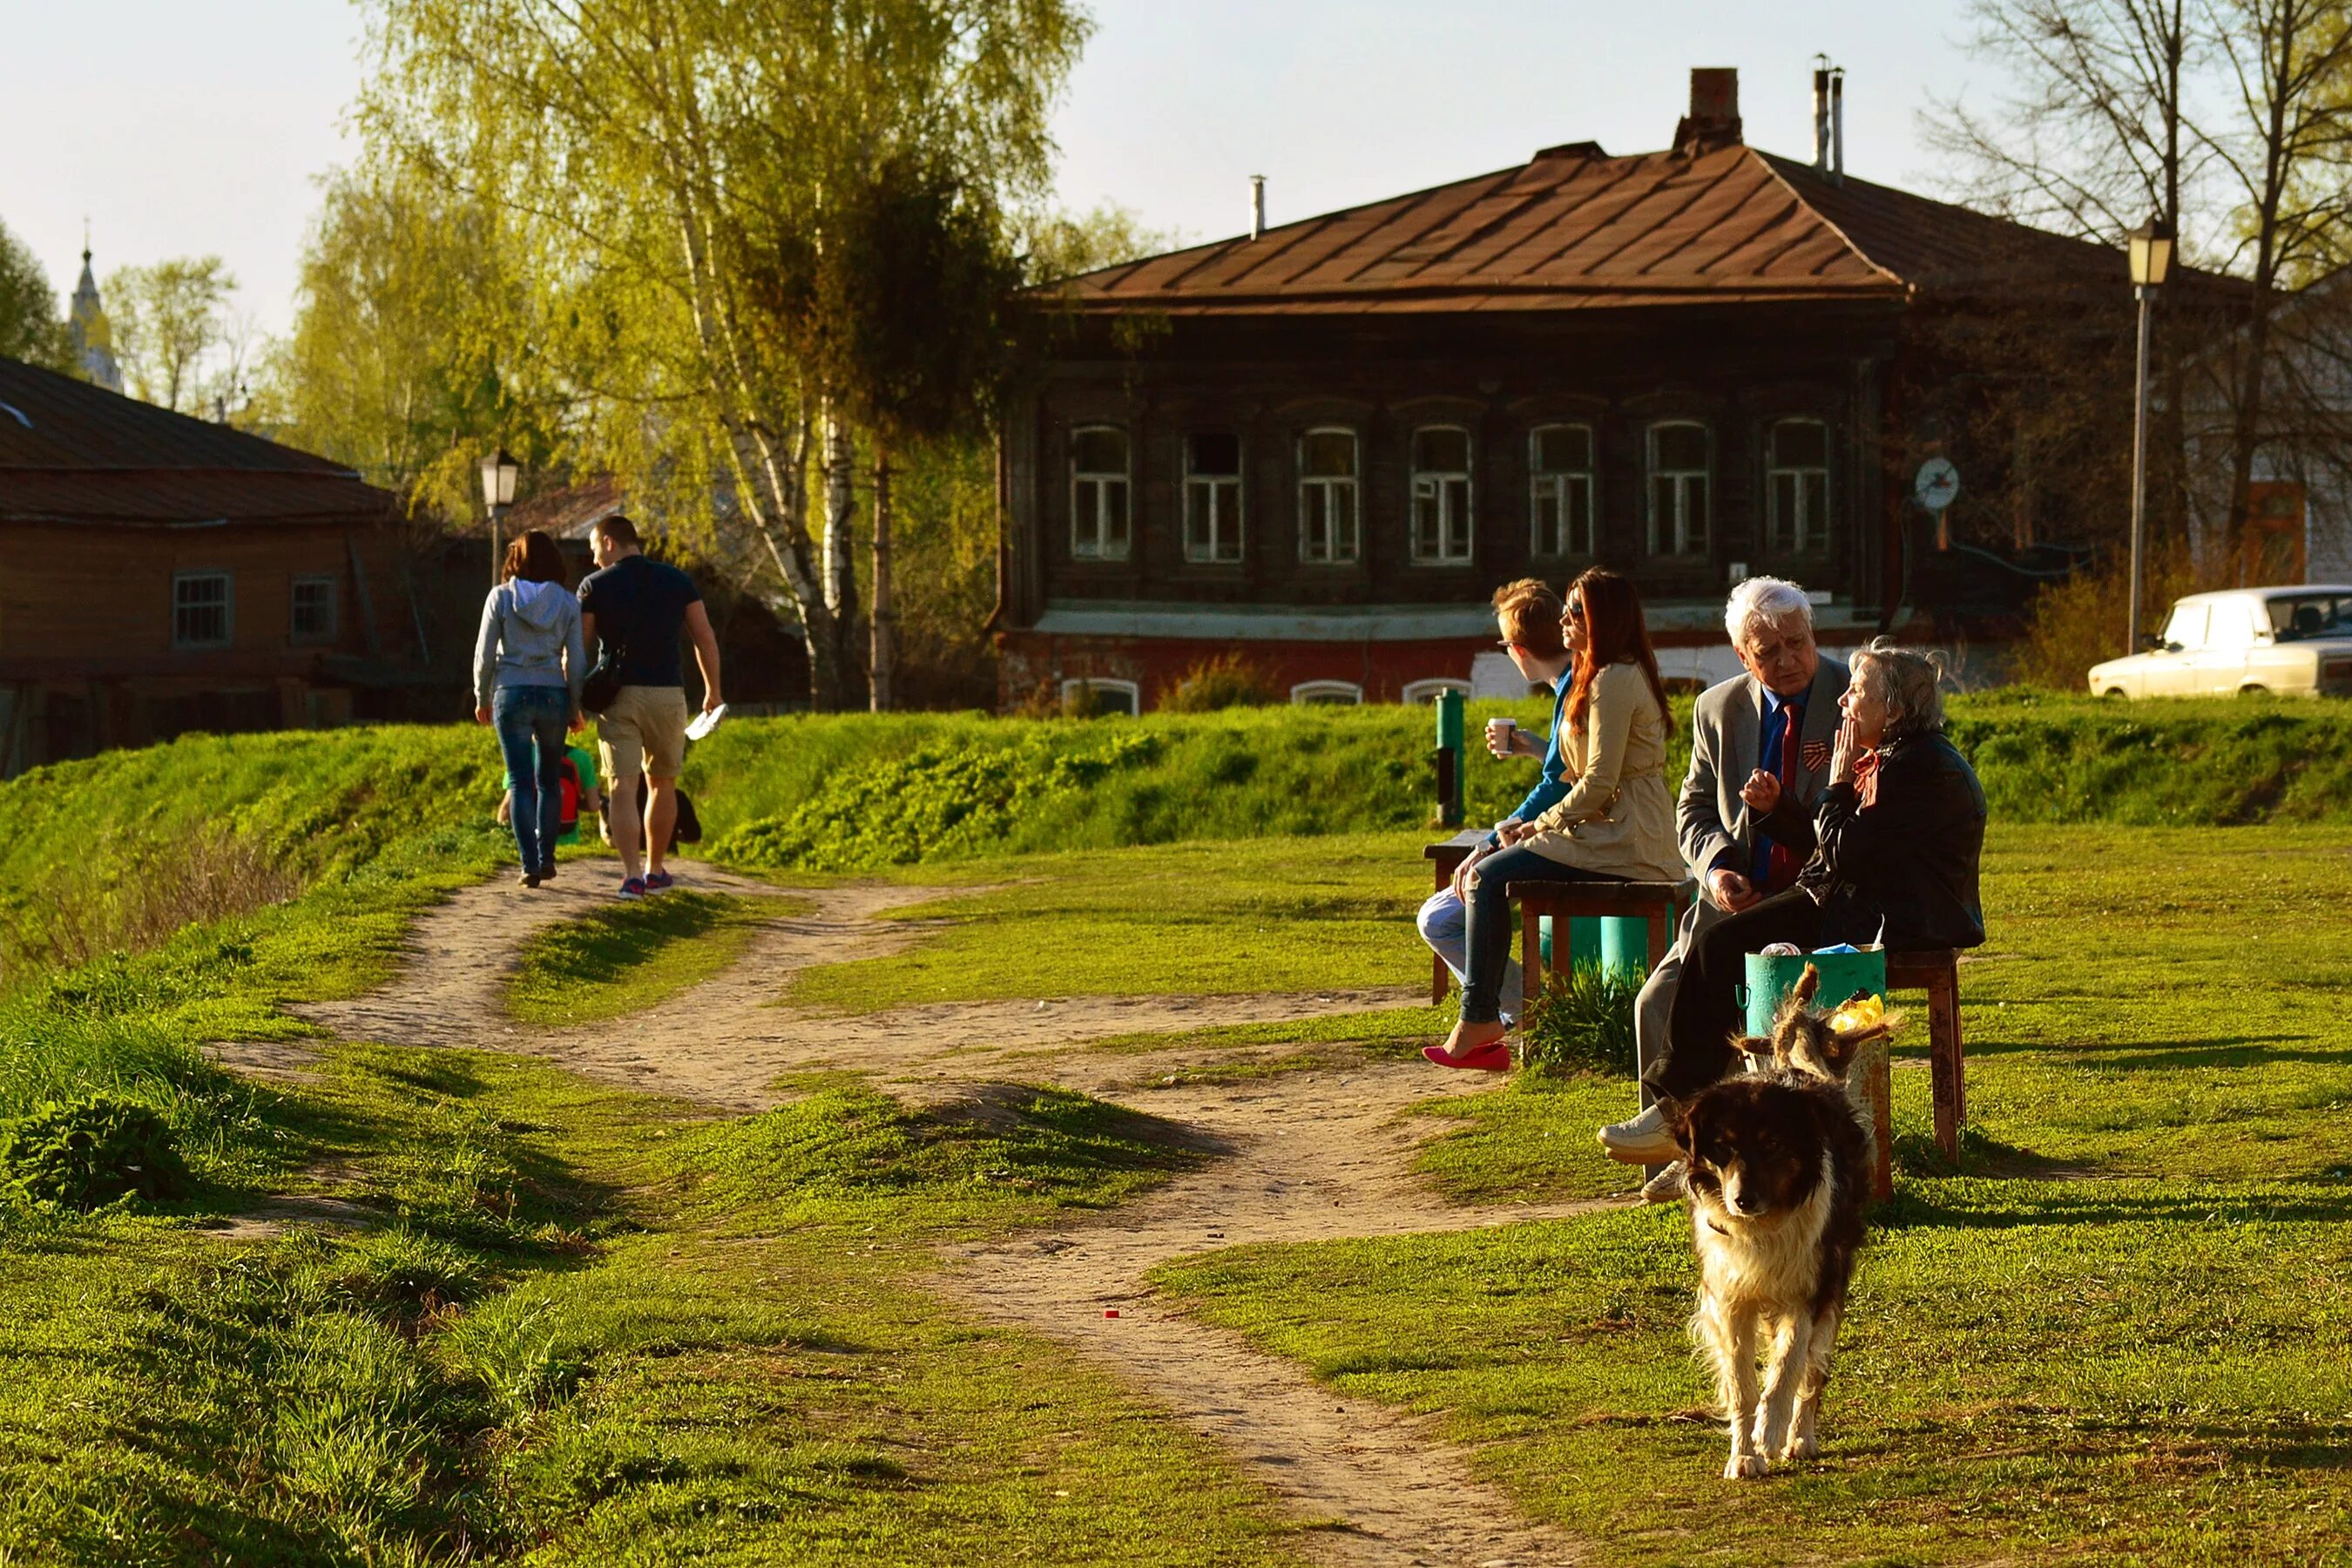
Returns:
<point x="636" y="608"/>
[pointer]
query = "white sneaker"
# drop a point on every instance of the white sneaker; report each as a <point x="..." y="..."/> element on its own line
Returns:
<point x="1666" y="1186"/>
<point x="1641" y="1141"/>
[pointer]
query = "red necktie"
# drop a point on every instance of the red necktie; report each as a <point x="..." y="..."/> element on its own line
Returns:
<point x="1785" y="864"/>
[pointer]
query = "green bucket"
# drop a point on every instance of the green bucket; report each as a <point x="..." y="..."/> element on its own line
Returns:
<point x="1770" y="978"/>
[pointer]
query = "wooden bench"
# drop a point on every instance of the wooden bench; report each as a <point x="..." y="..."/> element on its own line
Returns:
<point x="1445" y="856"/>
<point x="1937" y="971"/>
<point x="1565" y="901"/>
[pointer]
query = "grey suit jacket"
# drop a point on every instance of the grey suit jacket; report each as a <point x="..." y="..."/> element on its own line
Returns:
<point x="1726" y="736"/>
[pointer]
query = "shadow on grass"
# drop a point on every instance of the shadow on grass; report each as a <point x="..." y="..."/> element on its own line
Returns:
<point x="2158" y="1055"/>
<point x="2132" y="1202"/>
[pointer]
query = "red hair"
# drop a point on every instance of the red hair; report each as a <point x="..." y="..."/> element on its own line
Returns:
<point x="1610" y="610"/>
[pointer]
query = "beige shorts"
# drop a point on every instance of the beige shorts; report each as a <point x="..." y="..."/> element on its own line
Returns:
<point x="644" y="732"/>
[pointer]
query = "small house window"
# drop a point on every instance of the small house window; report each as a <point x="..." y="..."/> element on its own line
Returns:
<point x="1560" y="459"/>
<point x="1441" y="495"/>
<point x="1088" y="698"/>
<point x="1326" y="496"/>
<point x="1797" y="485"/>
<point x="1098" y="487"/>
<point x="201" y="609"/>
<point x="1327" y="694"/>
<point x="1213" y="496"/>
<point x="1428" y="691"/>
<point x="1680" y="507"/>
<point x="312" y="616"/>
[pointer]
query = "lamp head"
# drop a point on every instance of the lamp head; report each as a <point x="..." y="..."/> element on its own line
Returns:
<point x="499" y="475"/>
<point x="2150" y="246"/>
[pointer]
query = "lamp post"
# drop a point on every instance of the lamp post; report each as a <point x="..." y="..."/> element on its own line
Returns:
<point x="499" y="474"/>
<point x="2150" y="246"/>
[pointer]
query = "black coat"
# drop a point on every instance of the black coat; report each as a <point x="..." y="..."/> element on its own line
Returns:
<point x="1911" y="859"/>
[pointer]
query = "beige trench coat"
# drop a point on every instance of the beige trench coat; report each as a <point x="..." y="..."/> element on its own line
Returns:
<point x="1619" y="819"/>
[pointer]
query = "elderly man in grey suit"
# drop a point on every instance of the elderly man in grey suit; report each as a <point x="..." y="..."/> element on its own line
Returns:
<point x="1759" y="742"/>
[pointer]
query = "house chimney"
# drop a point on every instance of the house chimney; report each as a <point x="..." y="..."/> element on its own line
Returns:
<point x="1820" y="114"/>
<point x="1257" y="207"/>
<point x="1837" y="126"/>
<point x="1714" y="118"/>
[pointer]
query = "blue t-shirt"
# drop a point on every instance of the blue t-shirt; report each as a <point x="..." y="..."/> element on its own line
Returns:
<point x="1552" y="787"/>
<point x="640" y="608"/>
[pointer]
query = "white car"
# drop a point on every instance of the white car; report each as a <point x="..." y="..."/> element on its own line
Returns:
<point x="2296" y="642"/>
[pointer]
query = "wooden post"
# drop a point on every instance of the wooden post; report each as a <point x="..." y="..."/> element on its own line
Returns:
<point x="1944" y="1060"/>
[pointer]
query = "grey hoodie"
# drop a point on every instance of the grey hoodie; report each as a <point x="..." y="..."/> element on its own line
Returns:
<point x="529" y="636"/>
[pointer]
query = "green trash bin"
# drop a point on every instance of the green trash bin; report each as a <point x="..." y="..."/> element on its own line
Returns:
<point x="1613" y="942"/>
<point x="1770" y="979"/>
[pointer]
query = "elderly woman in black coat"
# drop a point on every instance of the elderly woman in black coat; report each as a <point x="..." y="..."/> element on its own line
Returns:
<point x="1892" y="850"/>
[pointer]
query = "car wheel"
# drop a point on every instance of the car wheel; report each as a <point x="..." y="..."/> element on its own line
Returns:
<point x="2253" y="691"/>
<point x="2112" y="694"/>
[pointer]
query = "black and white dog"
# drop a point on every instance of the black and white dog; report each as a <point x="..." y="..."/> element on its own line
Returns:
<point x="1777" y="1177"/>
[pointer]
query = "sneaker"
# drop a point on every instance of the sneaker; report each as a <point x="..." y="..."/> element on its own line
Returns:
<point x="528" y="878"/>
<point x="1641" y="1141"/>
<point x="1666" y="1186"/>
<point x="634" y="887"/>
<point x="658" y="880"/>
<point x="547" y="872"/>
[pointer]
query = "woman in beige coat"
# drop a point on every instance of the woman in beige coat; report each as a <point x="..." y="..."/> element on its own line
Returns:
<point x="1615" y="824"/>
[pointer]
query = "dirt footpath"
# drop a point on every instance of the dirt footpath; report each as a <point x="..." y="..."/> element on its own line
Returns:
<point x="1302" y="1156"/>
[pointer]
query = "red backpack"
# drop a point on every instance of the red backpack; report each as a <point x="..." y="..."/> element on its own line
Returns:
<point x="571" y="772"/>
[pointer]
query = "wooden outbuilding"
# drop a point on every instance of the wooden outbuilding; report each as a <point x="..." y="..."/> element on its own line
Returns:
<point x="161" y="574"/>
<point x="1325" y="443"/>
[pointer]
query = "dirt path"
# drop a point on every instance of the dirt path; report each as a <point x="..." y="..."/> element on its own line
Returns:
<point x="1302" y="1156"/>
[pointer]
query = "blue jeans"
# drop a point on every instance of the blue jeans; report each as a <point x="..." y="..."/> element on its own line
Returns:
<point x="527" y="716"/>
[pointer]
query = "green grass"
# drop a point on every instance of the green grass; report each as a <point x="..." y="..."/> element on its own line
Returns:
<point x="631" y="957"/>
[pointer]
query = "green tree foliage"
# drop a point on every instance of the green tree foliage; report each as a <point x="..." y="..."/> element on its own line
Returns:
<point x="30" y="328"/>
<point x="647" y="157"/>
<point x="173" y="335"/>
<point x="411" y="351"/>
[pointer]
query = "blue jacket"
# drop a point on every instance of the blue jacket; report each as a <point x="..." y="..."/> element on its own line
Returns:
<point x="1553" y="784"/>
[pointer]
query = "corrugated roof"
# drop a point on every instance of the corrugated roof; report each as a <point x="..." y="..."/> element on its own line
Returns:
<point x="72" y="452"/>
<point x="1574" y="228"/>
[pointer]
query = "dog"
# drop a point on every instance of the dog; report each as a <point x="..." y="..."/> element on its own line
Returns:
<point x="1776" y="1176"/>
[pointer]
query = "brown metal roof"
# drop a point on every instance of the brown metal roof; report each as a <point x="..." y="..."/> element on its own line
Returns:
<point x="72" y="452"/>
<point x="1575" y="228"/>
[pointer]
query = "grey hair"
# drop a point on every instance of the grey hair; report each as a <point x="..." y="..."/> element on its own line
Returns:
<point x="1909" y="680"/>
<point x="1764" y="601"/>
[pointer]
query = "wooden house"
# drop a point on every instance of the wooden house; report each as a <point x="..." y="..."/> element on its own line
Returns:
<point x="1323" y="444"/>
<point x="160" y="574"/>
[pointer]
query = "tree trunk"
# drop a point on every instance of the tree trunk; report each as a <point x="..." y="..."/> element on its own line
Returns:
<point x="883" y="656"/>
<point x="840" y="548"/>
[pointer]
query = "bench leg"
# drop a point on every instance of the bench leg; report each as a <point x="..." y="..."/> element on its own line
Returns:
<point x="1440" y="977"/>
<point x="1531" y="970"/>
<point x="1944" y="1060"/>
<point x="1880" y="1090"/>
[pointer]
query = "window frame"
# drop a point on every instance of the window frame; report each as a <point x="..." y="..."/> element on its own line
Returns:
<point x="334" y="608"/>
<point x="1098" y="478"/>
<point x="1440" y="479"/>
<point x="1127" y="688"/>
<point x="1683" y="542"/>
<point x="1308" y="693"/>
<point x="1214" y="486"/>
<point x="1332" y="485"/>
<point x="1587" y="481"/>
<point x="227" y="581"/>
<point x="1777" y="536"/>
<point x="1427" y="690"/>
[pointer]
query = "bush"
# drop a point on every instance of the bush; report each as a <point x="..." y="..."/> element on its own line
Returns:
<point x="1583" y="1022"/>
<point x="2079" y="622"/>
<point x="1231" y="680"/>
<point x="88" y="1153"/>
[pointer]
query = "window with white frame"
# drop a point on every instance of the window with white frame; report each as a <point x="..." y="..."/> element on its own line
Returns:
<point x="1797" y="485"/>
<point x="1680" y="505"/>
<point x="1326" y="496"/>
<point x="1441" y="494"/>
<point x="1429" y="690"/>
<point x="1213" y="496"/>
<point x="203" y="608"/>
<point x="310" y="618"/>
<point x="1095" y="696"/>
<point x="1559" y="491"/>
<point x="1327" y="694"/>
<point x="1098" y="494"/>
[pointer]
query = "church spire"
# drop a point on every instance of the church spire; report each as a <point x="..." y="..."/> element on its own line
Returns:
<point x="93" y="338"/>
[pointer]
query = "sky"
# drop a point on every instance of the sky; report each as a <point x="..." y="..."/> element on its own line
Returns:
<point x="182" y="128"/>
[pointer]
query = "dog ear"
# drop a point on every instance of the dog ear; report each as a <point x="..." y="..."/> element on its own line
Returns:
<point x="1759" y="1050"/>
<point x="1808" y="986"/>
<point x="1676" y="1114"/>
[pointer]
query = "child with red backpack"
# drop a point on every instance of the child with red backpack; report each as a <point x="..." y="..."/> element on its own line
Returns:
<point x="580" y="794"/>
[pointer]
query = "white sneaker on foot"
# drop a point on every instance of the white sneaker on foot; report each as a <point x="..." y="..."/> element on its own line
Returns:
<point x="1643" y="1140"/>
<point x="1666" y="1186"/>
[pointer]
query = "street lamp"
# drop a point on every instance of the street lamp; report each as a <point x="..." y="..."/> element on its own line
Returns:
<point x="499" y="474"/>
<point x="2150" y="247"/>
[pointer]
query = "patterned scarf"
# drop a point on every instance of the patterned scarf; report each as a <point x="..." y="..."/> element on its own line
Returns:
<point x="1866" y="778"/>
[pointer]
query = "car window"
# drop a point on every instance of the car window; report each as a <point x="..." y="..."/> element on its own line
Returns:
<point x="2186" y="626"/>
<point x="2233" y="625"/>
<point x="2298" y="616"/>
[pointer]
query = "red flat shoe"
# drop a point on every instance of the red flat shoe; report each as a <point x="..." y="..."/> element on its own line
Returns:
<point x="1495" y="1056"/>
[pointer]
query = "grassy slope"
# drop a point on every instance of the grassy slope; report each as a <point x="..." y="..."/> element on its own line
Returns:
<point x="629" y="957"/>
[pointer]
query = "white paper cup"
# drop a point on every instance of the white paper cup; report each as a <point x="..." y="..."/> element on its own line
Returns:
<point x="1500" y="735"/>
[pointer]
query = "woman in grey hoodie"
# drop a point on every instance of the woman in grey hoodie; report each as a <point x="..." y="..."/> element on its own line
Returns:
<point x="528" y="663"/>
